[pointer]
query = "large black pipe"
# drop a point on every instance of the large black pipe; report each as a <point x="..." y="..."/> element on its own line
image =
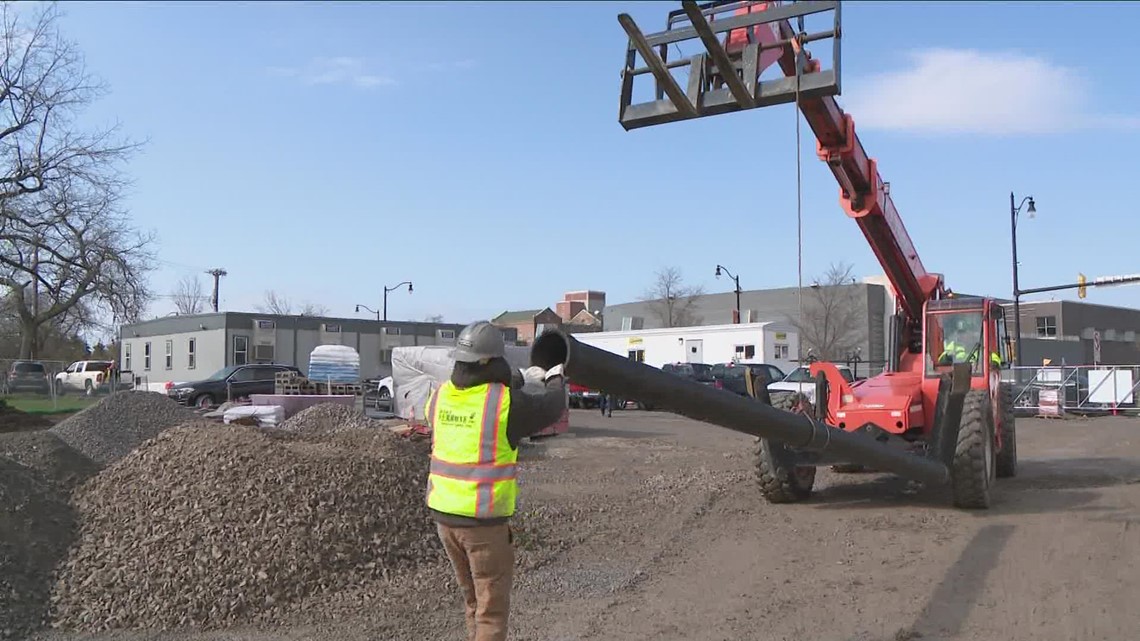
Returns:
<point x="601" y="370"/>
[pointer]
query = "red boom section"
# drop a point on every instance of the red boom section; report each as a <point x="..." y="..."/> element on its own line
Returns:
<point x="862" y="192"/>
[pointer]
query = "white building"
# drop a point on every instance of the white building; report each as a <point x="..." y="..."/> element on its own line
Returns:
<point x="188" y="348"/>
<point x="771" y="342"/>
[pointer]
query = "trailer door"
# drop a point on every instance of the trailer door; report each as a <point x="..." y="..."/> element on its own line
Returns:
<point x="694" y="350"/>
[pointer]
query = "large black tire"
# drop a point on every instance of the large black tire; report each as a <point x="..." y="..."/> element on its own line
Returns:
<point x="974" y="458"/>
<point x="1007" y="457"/>
<point x="780" y="480"/>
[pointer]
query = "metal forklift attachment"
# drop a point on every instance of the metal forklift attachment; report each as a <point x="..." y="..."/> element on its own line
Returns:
<point x="952" y="389"/>
<point x="599" y="369"/>
<point x="726" y="77"/>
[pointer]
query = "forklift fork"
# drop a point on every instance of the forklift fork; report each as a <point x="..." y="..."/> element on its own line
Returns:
<point x="726" y="76"/>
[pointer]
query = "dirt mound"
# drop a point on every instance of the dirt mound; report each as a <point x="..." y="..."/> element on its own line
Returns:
<point x="108" y="430"/>
<point x="233" y="524"/>
<point x="36" y="525"/>
<point x="48" y="455"/>
<point x="13" y="420"/>
<point x="328" y="418"/>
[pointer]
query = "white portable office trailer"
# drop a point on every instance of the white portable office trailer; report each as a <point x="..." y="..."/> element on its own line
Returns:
<point x="768" y="342"/>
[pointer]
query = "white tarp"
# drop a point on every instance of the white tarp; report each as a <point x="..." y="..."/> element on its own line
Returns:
<point x="266" y="415"/>
<point x="419" y="371"/>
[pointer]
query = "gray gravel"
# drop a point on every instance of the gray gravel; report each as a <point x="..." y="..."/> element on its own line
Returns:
<point x="36" y="525"/>
<point x="48" y="455"/>
<point x="208" y="527"/>
<point x="110" y="429"/>
<point x="327" y="418"/>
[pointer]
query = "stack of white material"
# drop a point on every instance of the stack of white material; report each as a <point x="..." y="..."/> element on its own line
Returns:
<point x="334" y="364"/>
<point x="419" y="371"/>
<point x="266" y="415"/>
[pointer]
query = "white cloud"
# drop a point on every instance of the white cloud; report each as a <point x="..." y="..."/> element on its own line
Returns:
<point x="338" y="70"/>
<point x="970" y="91"/>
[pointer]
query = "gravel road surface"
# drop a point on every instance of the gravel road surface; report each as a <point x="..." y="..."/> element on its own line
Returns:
<point x="648" y="525"/>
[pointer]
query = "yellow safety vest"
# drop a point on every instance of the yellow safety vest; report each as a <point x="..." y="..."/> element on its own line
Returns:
<point x="473" y="465"/>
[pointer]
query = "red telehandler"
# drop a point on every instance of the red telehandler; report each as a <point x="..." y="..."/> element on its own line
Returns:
<point x="942" y="388"/>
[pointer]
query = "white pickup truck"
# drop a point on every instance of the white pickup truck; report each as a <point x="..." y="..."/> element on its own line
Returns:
<point x="88" y="377"/>
<point x="800" y="380"/>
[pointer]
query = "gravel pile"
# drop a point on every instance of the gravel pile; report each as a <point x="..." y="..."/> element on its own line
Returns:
<point x="205" y="528"/>
<point x="108" y="430"/>
<point x="48" y="455"/>
<point x="13" y="420"/>
<point x="328" y="418"/>
<point x="36" y="525"/>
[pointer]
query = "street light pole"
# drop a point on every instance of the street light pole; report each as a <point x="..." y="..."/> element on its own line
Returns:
<point x="392" y="289"/>
<point x="1013" y="211"/>
<point x="736" y="280"/>
<point x="369" y="310"/>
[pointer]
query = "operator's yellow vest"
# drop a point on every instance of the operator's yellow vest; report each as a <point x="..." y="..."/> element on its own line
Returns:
<point x="473" y="466"/>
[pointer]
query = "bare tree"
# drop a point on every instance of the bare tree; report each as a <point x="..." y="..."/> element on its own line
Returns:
<point x="43" y="86"/>
<point x="275" y="303"/>
<point x="433" y="318"/>
<point x="188" y="296"/>
<point x="833" y="322"/>
<point x="672" y="301"/>
<point x="313" y="309"/>
<point x="68" y="256"/>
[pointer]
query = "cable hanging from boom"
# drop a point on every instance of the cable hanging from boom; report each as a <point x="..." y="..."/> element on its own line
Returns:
<point x="797" y="48"/>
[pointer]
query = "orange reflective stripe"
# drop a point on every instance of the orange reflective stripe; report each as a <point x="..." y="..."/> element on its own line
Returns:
<point x="489" y="435"/>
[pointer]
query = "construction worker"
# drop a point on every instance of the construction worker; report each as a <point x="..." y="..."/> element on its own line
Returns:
<point x="478" y="419"/>
<point x="965" y="331"/>
<point x="960" y="332"/>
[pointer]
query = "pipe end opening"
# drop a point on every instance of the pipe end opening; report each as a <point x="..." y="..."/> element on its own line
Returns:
<point x="549" y="349"/>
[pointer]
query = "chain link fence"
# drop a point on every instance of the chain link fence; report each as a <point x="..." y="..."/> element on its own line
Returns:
<point x="1087" y="390"/>
<point x="49" y="379"/>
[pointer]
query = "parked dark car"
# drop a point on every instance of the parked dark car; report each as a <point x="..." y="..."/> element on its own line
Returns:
<point x="228" y="383"/>
<point x="699" y="372"/>
<point x="730" y="376"/>
<point x="27" y="376"/>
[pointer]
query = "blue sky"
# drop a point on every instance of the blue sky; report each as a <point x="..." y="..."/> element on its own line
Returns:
<point x="327" y="150"/>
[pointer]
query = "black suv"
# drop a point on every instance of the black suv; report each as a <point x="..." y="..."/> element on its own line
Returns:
<point x="730" y="376"/>
<point x="229" y="383"/>
<point x="27" y="376"/>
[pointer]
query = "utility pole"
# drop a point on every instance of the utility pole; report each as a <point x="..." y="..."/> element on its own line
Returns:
<point x="217" y="273"/>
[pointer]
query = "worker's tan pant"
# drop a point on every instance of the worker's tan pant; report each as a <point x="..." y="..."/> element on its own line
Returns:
<point x="484" y="562"/>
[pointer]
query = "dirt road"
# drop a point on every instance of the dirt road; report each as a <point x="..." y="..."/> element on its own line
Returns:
<point x="663" y="535"/>
<point x="1055" y="559"/>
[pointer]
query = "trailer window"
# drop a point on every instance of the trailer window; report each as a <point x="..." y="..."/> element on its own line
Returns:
<point x="746" y="351"/>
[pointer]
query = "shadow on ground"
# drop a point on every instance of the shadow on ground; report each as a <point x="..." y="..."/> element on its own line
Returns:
<point x="1070" y="482"/>
<point x="610" y="432"/>
<point x="956" y="595"/>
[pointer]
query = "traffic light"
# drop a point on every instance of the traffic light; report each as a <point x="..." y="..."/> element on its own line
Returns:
<point x="1080" y="285"/>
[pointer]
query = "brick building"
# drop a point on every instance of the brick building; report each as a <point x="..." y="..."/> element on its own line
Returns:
<point x="579" y="311"/>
